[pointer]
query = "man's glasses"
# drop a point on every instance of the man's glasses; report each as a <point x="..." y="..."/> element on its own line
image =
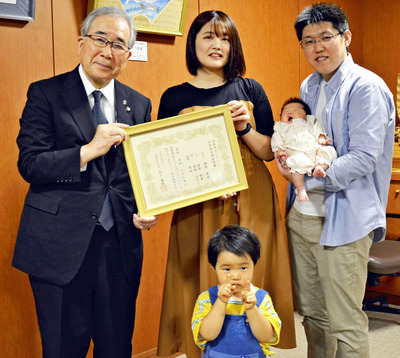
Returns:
<point x="307" y="43"/>
<point x="116" y="47"/>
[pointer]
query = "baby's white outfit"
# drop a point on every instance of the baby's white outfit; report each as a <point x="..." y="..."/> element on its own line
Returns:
<point x="299" y="139"/>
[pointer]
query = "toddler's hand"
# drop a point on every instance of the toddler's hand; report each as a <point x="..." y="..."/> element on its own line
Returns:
<point x="225" y="290"/>
<point x="249" y="297"/>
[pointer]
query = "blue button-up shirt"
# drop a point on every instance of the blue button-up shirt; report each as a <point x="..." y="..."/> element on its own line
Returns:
<point x="359" y="117"/>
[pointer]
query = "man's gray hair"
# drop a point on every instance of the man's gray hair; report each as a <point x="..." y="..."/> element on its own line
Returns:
<point x="109" y="11"/>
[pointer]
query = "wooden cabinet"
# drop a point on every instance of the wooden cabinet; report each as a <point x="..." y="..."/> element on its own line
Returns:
<point x="394" y="191"/>
<point x="393" y="205"/>
<point x="391" y="285"/>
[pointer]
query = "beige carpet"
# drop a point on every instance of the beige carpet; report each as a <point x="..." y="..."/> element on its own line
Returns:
<point x="384" y="333"/>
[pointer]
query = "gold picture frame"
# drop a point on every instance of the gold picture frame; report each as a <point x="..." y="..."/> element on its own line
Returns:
<point x="164" y="17"/>
<point x="184" y="160"/>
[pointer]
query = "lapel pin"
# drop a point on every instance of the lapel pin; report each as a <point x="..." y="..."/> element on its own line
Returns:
<point x="128" y="109"/>
<point x="124" y="102"/>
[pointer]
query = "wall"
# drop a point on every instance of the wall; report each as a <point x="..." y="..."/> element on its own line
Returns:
<point x="48" y="46"/>
<point x="380" y="44"/>
<point x="382" y="56"/>
<point x="27" y="55"/>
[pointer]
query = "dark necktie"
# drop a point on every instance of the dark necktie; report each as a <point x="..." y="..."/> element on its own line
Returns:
<point x="106" y="218"/>
<point x="98" y="114"/>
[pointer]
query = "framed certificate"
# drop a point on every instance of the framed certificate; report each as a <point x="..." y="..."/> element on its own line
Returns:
<point x="183" y="160"/>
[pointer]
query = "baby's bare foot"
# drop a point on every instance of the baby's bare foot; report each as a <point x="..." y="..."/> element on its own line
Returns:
<point x="319" y="172"/>
<point x="302" y="194"/>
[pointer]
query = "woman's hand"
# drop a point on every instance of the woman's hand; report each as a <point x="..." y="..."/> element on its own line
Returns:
<point x="228" y="196"/>
<point x="239" y="114"/>
<point x="258" y="143"/>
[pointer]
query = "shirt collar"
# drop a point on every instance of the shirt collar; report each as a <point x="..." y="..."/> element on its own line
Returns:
<point x="342" y="72"/>
<point x="108" y="91"/>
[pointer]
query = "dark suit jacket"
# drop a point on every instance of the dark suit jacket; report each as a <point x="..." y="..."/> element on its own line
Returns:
<point x="62" y="204"/>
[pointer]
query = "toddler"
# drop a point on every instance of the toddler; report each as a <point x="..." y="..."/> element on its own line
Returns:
<point x="235" y="318"/>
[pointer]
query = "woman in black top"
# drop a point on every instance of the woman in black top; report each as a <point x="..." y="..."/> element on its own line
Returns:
<point x="214" y="57"/>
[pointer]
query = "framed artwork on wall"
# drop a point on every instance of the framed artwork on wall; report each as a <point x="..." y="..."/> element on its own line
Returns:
<point x="184" y="160"/>
<point x="164" y="17"/>
<point x="23" y="10"/>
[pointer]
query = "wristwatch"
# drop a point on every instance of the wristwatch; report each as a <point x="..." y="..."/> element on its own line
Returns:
<point x="244" y="131"/>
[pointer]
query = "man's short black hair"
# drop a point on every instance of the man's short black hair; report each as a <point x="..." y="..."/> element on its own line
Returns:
<point x="321" y="12"/>
<point x="236" y="239"/>
<point x="297" y="100"/>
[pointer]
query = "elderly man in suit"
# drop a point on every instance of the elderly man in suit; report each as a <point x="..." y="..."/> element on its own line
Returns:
<point x="80" y="236"/>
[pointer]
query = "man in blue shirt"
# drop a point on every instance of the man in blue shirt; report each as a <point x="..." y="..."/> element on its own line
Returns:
<point x="330" y="235"/>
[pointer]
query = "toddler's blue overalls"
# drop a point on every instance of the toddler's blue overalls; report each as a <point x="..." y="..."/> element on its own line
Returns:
<point x="235" y="339"/>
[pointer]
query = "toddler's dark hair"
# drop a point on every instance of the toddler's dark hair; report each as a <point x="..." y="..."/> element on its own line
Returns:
<point x="236" y="239"/>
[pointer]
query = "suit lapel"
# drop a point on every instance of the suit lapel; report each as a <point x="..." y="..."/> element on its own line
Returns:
<point x="76" y="101"/>
<point x="75" y="97"/>
<point x="124" y="105"/>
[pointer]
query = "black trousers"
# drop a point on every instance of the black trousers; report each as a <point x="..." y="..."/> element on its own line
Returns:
<point x="98" y="304"/>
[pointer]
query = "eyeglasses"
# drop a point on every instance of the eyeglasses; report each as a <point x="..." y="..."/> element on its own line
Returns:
<point x="116" y="47"/>
<point x="324" y="39"/>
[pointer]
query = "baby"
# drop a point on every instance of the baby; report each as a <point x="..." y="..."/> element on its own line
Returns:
<point x="301" y="144"/>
